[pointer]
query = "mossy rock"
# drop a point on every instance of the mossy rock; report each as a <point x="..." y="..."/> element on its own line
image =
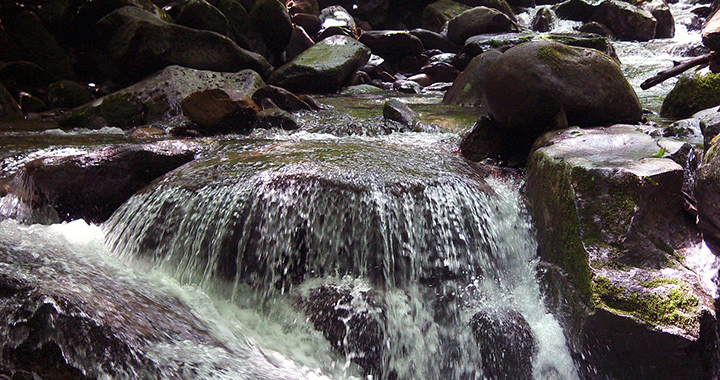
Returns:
<point x="436" y="14"/>
<point x="324" y="67"/>
<point x="692" y="93"/>
<point x="157" y="98"/>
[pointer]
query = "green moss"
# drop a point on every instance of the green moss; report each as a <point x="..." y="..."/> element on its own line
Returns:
<point x="692" y="94"/>
<point x="654" y="283"/>
<point x="676" y="308"/>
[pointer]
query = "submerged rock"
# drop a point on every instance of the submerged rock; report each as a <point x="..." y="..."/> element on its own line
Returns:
<point x="608" y="205"/>
<point x="155" y="99"/>
<point x="324" y="67"/>
<point x="351" y="320"/>
<point x="92" y="185"/>
<point x="507" y="344"/>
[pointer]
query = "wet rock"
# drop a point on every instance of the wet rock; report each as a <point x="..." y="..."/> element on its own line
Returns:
<point x="220" y="110"/>
<point x="8" y="106"/>
<point x="303" y="6"/>
<point x="609" y="209"/>
<point x="68" y="94"/>
<point x="578" y="10"/>
<point x="476" y="21"/>
<point x="25" y="76"/>
<point x="436" y="15"/>
<point x="542" y="20"/>
<point x="392" y="45"/>
<point x="272" y="20"/>
<point x="707" y="196"/>
<point x="36" y="44"/>
<point x="30" y="103"/>
<point x="407" y="87"/>
<point x="711" y="33"/>
<point x="92" y="185"/>
<point x="479" y="44"/>
<point x="199" y="14"/>
<point x="433" y="40"/>
<point x="311" y="23"/>
<point x="283" y="98"/>
<point x="440" y="72"/>
<point x="597" y="28"/>
<point x="692" y="93"/>
<point x="142" y="44"/>
<point x="577" y="86"/>
<point x="710" y="127"/>
<point x="626" y="21"/>
<point x="351" y="320"/>
<point x="467" y="89"/>
<point x="324" y="67"/>
<point x="488" y="140"/>
<point x="500" y="5"/>
<point x="299" y="42"/>
<point x="338" y="18"/>
<point x="398" y="111"/>
<point x="157" y="98"/>
<point x="665" y="20"/>
<point x="275" y="118"/>
<point x="507" y="345"/>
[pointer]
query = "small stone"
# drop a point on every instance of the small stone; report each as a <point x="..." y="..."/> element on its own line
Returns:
<point x="396" y="110"/>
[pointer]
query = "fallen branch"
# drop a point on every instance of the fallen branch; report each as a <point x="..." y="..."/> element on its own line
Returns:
<point x="675" y="70"/>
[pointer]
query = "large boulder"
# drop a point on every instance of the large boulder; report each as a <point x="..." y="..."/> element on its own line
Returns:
<point x="392" y="45"/>
<point x="476" y="21"/>
<point x="156" y="98"/>
<point x="142" y="44"/>
<point x="665" y="20"/>
<point x="692" y="93"/>
<point x="92" y="185"/>
<point x="325" y="67"/>
<point x="537" y="86"/>
<point x="467" y="89"/>
<point x="626" y="21"/>
<point x="272" y="20"/>
<point x="578" y="10"/>
<point x="608" y="207"/>
<point x="36" y="44"/>
<point x="437" y="14"/>
<point x="199" y="14"/>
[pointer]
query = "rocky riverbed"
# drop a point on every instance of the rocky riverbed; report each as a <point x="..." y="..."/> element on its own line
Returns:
<point x="106" y="101"/>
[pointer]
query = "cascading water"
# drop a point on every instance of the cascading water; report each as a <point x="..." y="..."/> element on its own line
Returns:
<point x="401" y="218"/>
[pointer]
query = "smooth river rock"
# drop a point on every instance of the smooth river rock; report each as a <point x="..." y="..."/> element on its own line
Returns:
<point x="324" y="67"/>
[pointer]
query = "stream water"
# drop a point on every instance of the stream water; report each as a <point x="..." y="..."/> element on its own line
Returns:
<point x="214" y="271"/>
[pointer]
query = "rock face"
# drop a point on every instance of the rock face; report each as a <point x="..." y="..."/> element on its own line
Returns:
<point x="142" y="44"/>
<point x="325" y="67"/>
<point x="156" y="98"/>
<point x="608" y="207"/>
<point x="91" y="186"/>
<point x="476" y="21"/>
<point x="507" y="345"/>
<point x="692" y="93"/>
<point x="707" y="195"/>
<point x="533" y="86"/>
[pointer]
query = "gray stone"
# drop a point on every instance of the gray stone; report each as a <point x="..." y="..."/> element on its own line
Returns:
<point x="325" y="67"/>
<point x="627" y="22"/>
<point x="478" y="20"/>
<point x="398" y="111"/>
<point x="467" y="89"/>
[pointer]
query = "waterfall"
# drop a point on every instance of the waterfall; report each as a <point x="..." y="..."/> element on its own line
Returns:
<point x="440" y="246"/>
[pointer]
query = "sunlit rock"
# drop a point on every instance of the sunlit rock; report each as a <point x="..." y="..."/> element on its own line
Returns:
<point x="478" y="20"/>
<point x="627" y="21"/>
<point x="91" y="185"/>
<point x="398" y="111"/>
<point x="155" y="99"/>
<point x="665" y="20"/>
<point x="325" y="67"/>
<point x="692" y="93"/>
<point x="608" y="205"/>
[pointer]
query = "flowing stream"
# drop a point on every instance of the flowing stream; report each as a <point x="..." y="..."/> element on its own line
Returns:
<point x="325" y="255"/>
